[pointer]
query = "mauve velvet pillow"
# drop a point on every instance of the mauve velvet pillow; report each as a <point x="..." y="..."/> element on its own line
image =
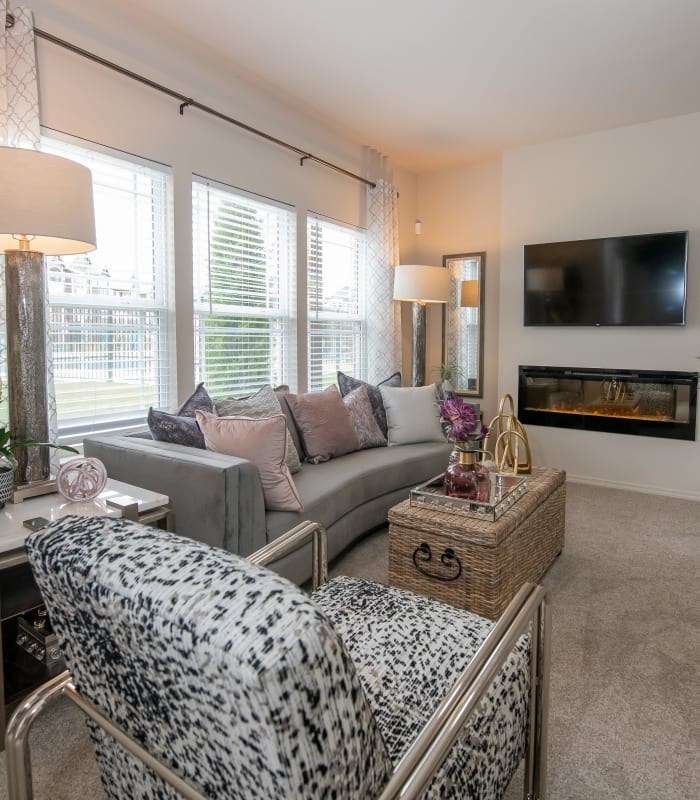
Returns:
<point x="262" y="441"/>
<point x="366" y="427"/>
<point x="324" y="424"/>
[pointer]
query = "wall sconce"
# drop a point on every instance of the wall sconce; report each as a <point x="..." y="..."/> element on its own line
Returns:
<point x="46" y="208"/>
<point x="420" y="284"/>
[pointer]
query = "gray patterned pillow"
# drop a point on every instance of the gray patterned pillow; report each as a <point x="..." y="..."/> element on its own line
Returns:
<point x="181" y="427"/>
<point x="174" y="429"/>
<point x="199" y="400"/>
<point x="347" y="384"/>
<point x="366" y="427"/>
<point x="264" y="403"/>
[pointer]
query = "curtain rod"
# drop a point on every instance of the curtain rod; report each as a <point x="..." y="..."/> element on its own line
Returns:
<point x="188" y="101"/>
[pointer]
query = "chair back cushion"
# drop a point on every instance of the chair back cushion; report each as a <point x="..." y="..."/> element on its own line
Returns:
<point x="222" y="669"/>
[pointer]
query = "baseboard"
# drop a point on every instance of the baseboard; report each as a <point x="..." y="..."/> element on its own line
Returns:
<point x="632" y="487"/>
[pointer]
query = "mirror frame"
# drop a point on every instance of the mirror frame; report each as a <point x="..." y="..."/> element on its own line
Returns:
<point x="451" y="307"/>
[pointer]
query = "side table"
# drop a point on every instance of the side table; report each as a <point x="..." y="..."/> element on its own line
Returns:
<point x="475" y="563"/>
<point x="19" y="671"/>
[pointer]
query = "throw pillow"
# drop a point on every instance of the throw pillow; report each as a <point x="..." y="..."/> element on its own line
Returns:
<point x="199" y="400"/>
<point x="282" y="392"/>
<point x="413" y="414"/>
<point x="171" y="428"/>
<point x="324" y="424"/>
<point x="181" y="427"/>
<point x="264" y="403"/>
<point x="347" y="384"/>
<point x="262" y="441"/>
<point x="366" y="427"/>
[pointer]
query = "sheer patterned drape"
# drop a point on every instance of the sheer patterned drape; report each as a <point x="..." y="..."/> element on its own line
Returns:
<point x="19" y="127"/>
<point x="383" y="314"/>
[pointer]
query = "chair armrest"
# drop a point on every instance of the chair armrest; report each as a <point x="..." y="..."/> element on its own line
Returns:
<point x="528" y="611"/>
<point x="293" y="539"/>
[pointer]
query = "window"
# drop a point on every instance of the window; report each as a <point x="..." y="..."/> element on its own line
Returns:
<point x="111" y="309"/>
<point x="244" y="253"/>
<point x="336" y="309"/>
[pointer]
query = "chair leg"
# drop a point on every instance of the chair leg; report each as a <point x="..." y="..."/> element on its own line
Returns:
<point x="535" y="783"/>
<point x="19" y="767"/>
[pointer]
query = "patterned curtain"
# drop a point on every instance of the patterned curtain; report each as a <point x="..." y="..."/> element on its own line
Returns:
<point x="20" y="127"/>
<point x="383" y="314"/>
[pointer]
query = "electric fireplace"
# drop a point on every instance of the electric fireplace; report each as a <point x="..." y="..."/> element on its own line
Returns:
<point x="637" y="402"/>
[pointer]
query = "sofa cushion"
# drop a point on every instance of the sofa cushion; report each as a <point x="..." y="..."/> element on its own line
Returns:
<point x="347" y="384"/>
<point x="324" y="424"/>
<point x="413" y="414"/>
<point x="264" y="403"/>
<point x="369" y="434"/>
<point x="262" y="441"/>
<point x="359" y="480"/>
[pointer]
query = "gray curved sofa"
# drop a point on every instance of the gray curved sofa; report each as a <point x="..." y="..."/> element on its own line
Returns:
<point x="218" y="499"/>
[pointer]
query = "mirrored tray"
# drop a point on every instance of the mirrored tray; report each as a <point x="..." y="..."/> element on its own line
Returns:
<point x="504" y="490"/>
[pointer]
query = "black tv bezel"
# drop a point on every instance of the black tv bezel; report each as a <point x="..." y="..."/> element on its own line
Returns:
<point x="550" y="324"/>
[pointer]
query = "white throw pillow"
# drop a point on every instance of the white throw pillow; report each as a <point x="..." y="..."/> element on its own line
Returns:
<point x="412" y="414"/>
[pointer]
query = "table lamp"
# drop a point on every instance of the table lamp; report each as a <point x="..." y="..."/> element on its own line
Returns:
<point x="46" y="208"/>
<point x="420" y="284"/>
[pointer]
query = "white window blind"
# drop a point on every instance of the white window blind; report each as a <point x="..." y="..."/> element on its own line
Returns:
<point x="336" y="308"/>
<point x="110" y="310"/>
<point x="244" y="255"/>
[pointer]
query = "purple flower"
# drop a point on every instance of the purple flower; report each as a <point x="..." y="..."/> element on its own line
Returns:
<point x="461" y="418"/>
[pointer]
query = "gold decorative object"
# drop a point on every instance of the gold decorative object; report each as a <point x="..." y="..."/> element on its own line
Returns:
<point x="510" y="440"/>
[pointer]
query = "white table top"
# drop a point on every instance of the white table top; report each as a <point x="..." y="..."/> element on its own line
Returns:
<point x="52" y="506"/>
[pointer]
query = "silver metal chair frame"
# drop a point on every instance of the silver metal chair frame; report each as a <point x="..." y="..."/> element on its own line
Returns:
<point x="528" y="612"/>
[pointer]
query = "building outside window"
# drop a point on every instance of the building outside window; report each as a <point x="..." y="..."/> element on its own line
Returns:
<point x="244" y="256"/>
<point x="111" y="310"/>
<point x="336" y="308"/>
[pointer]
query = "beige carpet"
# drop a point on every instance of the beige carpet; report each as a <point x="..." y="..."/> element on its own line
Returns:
<point x="625" y="702"/>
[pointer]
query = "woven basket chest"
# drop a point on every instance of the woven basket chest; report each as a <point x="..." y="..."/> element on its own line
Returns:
<point x="477" y="564"/>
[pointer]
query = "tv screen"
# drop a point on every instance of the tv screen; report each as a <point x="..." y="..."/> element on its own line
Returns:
<point x="620" y="280"/>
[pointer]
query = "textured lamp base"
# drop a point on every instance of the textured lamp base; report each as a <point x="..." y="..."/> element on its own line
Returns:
<point x="419" y="325"/>
<point x="25" y="293"/>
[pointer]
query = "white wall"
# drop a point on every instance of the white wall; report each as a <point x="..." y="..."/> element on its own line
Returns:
<point x="638" y="179"/>
<point x="87" y="100"/>
<point x="460" y="213"/>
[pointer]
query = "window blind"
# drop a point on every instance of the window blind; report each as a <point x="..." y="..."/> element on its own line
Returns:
<point x="244" y="254"/>
<point x="336" y="308"/>
<point x="111" y="309"/>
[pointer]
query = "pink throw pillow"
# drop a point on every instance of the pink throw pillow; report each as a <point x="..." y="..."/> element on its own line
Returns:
<point x="262" y="441"/>
<point x="324" y="424"/>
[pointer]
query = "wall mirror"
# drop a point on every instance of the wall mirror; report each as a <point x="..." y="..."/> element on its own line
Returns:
<point x="463" y="322"/>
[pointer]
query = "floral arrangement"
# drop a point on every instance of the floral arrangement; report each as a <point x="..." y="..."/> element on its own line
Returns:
<point x="461" y="421"/>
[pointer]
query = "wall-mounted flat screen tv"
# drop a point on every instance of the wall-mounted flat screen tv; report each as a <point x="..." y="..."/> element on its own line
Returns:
<point x="620" y="280"/>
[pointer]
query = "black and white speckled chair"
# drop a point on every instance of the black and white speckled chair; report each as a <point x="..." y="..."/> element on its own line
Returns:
<point x="230" y="682"/>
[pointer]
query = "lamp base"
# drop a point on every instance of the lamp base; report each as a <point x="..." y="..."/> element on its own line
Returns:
<point x="23" y="491"/>
<point x="419" y="325"/>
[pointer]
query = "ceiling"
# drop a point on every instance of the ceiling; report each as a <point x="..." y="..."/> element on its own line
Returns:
<point x="447" y="82"/>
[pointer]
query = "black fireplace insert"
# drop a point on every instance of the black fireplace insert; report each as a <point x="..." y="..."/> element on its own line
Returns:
<point x="637" y="402"/>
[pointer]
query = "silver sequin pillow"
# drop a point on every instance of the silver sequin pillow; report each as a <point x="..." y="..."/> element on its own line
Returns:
<point x="369" y="434"/>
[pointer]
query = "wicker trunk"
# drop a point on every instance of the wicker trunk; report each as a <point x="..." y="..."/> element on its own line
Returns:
<point x="477" y="564"/>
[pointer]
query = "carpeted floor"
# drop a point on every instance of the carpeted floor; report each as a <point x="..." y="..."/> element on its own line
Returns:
<point x="625" y="702"/>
